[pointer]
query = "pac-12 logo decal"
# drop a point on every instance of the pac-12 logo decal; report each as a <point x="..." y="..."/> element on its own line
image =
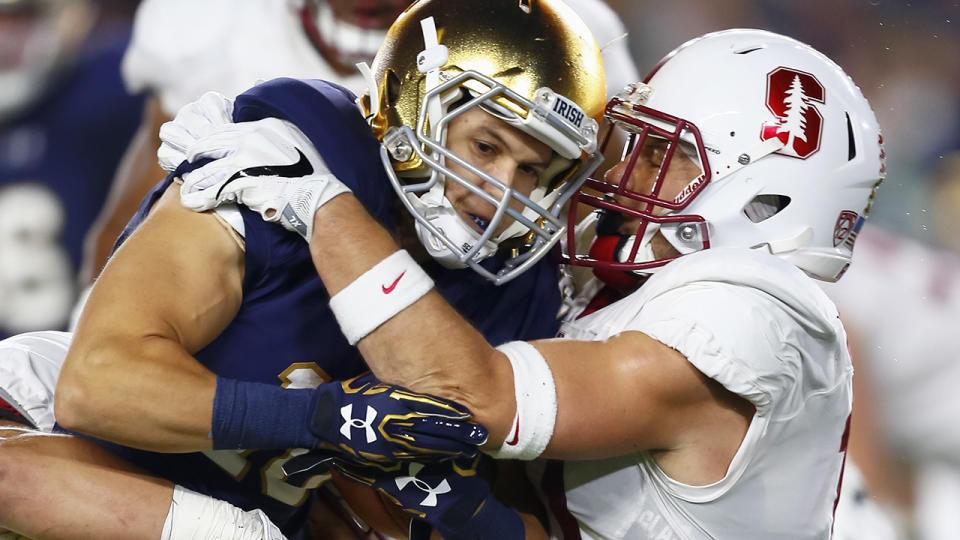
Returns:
<point x="791" y="97"/>
<point x="844" y="227"/>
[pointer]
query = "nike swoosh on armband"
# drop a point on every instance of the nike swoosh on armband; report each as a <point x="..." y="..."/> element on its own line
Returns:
<point x="301" y="168"/>
<point x="516" y="434"/>
<point x="388" y="290"/>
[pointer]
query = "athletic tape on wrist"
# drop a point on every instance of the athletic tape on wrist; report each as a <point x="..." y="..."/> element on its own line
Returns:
<point x="536" y="395"/>
<point x="194" y="516"/>
<point x="379" y="294"/>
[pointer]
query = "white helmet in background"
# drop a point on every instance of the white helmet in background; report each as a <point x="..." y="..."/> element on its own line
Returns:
<point x="37" y="38"/>
<point x="789" y="151"/>
<point x="346" y="32"/>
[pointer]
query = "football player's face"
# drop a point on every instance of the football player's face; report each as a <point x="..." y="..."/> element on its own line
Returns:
<point x="502" y="151"/>
<point x="680" y="172"/>
<point x="16" y="26"/>
<point x="369" y="14"/>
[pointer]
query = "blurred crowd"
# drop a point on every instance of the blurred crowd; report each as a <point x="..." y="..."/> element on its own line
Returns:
<point x="66" y="120"/>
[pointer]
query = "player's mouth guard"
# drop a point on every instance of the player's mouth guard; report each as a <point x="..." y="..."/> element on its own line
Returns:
<point x="551" y="119"/>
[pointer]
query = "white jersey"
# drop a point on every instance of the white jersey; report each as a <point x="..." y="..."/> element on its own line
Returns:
<point x="29" y="368"/>
<point x="901" y="301"/>
<point x="183" y="48"/>
<point x="763" y="330"/>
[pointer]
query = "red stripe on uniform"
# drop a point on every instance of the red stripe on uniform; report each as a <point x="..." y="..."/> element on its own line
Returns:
<point x="4" y="406"/>
<point x="552" y="485"/>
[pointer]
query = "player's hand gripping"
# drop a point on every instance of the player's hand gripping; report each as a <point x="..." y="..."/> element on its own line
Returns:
<point x="448" y="496"/>
<point x="268" y="165"/>
<point x="193" y="122"/>
<point x="365" y="419"/>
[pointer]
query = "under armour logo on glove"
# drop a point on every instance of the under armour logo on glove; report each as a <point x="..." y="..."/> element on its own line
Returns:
<point x="396" y="424"/>
<point x="349" y="422"/>
<point x="422" y="485"/>
<point x="449" y="496"/>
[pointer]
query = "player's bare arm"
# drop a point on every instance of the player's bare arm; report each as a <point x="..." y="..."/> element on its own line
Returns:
<point x="70" y="480"/>
<point x="129" y="376"/>
<point x="634" y="393"/>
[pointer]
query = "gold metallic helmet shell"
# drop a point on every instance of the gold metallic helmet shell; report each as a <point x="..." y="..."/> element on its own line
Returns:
<point x="532" y="64"/>
<point x="524" y="45"/>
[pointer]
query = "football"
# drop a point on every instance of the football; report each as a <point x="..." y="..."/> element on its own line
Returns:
<point x="372" y="507"/>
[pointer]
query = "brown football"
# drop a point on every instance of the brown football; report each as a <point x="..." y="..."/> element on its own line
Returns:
<point x="374" y="508"/>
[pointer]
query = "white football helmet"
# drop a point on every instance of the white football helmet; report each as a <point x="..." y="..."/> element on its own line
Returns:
<point x="349" y="31"/>
<point x="789" y="155"/>
<point x="532" y="64"/>
<point x="38" y="37"/>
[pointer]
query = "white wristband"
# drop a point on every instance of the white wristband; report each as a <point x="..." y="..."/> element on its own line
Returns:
<point x="536" y="395"/>
<point x="379" y="294"/>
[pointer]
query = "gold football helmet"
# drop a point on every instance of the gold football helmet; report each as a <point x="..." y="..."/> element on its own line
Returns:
<point x="530" y="63"/>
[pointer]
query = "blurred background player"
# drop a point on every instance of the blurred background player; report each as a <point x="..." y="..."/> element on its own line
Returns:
<point x="228" y="46"/>
<point x="65" y="121"/>
<point x="901" y="309"/>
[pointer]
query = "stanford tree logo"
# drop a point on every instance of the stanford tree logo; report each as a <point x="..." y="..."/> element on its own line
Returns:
<point x="791" y="96"/>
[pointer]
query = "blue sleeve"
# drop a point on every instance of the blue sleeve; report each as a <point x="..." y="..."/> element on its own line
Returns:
<point x="327" y="115"/>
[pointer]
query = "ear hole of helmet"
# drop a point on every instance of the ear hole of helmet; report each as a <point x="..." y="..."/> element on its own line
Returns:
<point x="393" y="87"/>
<point x="764" y="207"/>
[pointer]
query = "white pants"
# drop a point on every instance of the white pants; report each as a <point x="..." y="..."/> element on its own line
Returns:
<point x="29" y="367"/>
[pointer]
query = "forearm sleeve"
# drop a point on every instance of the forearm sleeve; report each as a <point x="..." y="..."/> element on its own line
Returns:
<point x="258" y="415"/>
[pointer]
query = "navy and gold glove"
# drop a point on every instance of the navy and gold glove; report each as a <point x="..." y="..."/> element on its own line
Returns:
<point x="369" y="420"/>
<point x="360" y="418"/>
<point x="448" y="496"/>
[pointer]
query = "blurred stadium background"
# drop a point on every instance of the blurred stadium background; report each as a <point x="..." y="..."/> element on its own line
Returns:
<point x="902" y="53"/>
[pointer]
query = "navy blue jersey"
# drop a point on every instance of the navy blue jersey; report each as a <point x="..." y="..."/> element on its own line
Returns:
<point x="69" y="144"/>
<point x="285" y="333"/>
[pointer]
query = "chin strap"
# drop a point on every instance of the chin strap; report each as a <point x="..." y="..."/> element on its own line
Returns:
<point x="429" y="61"/>
<point x="372" y="91"/>
<point x="455" y="230"/>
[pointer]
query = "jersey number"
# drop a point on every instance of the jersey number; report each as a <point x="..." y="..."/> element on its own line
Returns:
<point x="36" y="279"/>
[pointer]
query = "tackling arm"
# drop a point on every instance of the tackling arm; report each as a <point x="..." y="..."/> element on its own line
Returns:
<point x="430" y="348"/>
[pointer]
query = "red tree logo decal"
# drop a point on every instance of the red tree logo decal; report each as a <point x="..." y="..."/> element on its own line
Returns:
<point x="791" y="95"/>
